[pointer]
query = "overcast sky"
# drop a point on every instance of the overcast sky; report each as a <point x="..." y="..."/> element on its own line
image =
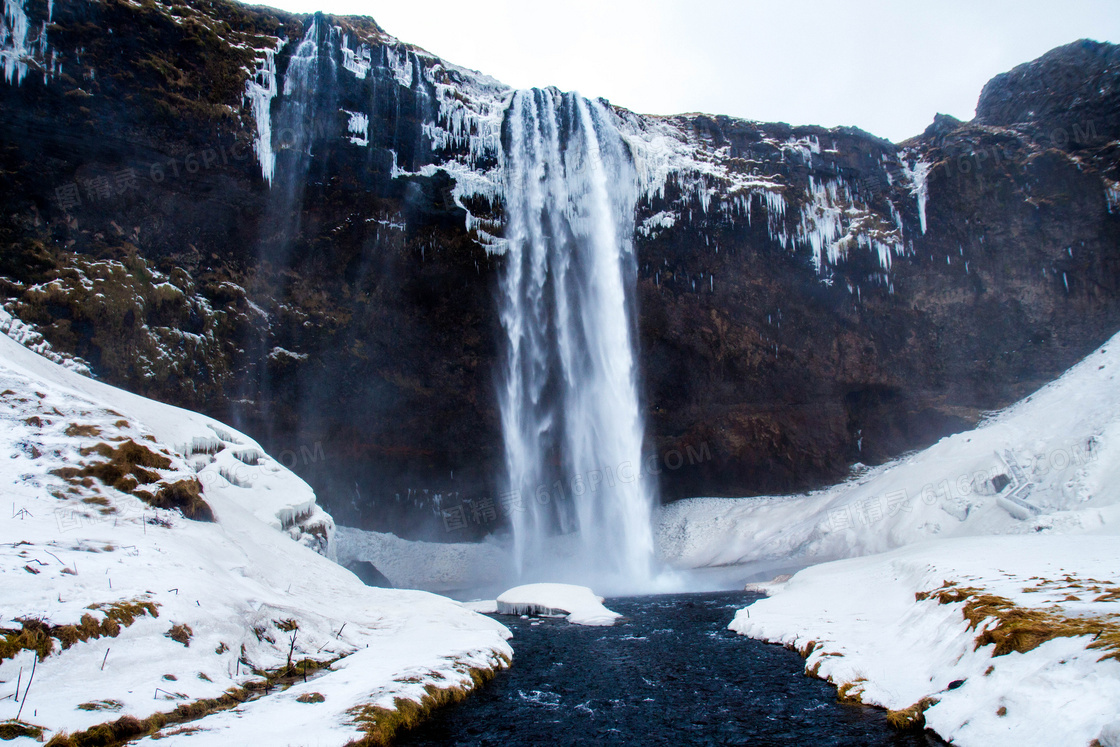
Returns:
<point x="886" y="67"/>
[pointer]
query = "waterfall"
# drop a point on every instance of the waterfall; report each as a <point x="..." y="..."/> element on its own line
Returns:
<point x="568" y="387"/>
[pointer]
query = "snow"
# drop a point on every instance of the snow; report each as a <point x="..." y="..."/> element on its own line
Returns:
<point x="235" y="581"/>
<point x="656" y="223"/>
<point x="830" y="222"/>
<point x="868" y="628"/>
<point x="1049" y="464"/>
<point x="578" y="603"/>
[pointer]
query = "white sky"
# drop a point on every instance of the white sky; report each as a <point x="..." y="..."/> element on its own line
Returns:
<point x="886" y="67"/>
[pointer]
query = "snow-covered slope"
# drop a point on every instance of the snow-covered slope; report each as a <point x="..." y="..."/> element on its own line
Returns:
<point x="955" y="626"/>
<point x="136" y="610"/>
<point x="1011" y="639"/>
<point x="1049" y="464"/>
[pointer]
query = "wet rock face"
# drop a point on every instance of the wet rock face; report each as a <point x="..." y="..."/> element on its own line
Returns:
<point x="344" y="313"/>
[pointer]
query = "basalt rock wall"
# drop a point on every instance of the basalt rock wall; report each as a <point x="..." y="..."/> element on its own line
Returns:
<point x="294" y="223"/>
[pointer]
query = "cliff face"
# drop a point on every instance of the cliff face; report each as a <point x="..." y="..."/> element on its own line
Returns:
<point x="294" y="224"/>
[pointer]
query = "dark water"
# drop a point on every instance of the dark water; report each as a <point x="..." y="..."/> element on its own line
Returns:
<point x="670" y="674"/>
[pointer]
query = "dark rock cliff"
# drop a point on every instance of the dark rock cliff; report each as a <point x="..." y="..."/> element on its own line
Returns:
<point x="293" y="224"/>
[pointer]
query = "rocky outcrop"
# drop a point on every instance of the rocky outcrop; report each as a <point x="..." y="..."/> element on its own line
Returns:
<point x="294" y="224"/>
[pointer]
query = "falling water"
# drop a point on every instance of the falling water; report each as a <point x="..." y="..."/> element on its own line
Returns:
<point x="568" y="394"/>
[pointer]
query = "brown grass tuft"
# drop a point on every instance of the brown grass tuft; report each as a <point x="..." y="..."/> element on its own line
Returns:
<point x="39" y="636"/>
<point x="184" y="495"/>
<point x="13" y="729"/>
<point x="82" y="431"/>
<point x="131" y="465"/>
<point x="851" y="692"/>
<point x="180" y="634"/>
<point x="101" y="705"/>
<point x="910" y="718"/>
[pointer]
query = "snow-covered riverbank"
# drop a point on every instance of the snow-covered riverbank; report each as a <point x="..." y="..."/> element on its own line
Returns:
<point x="983" y="579"/>
<point x="233" y="623"/>
<point x="1003" y="640"/>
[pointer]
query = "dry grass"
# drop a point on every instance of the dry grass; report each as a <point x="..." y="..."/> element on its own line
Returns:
<point x="851" y="692"/>
<point x="128" y="728"/>
<point x="13" y="729"/>
<point x="180" y="634"/>
<point x="1110" y="595"/>
<point x="102" y="705"/>
<point x="1009" y="627"/>
<point x="82" y="431"/>
<point x="289" y="674"/>
<point x="131" y="465"/>
<point x="39" y="636"/>
<point x="184" y="495"/>
<point x="382" y="724"/>
<point x="311" y="698"/>
<point x="910" y="718"/>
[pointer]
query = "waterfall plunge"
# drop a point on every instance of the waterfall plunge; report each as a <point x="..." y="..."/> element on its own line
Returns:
<point x="571" y="421"/>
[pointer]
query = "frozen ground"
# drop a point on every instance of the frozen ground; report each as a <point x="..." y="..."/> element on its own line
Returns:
<point x="868" y="625"/>
<point x="201" y="607"/>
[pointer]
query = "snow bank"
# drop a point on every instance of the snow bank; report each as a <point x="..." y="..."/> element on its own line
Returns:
<point x="578" y="603"/>
<point x="862" y="625"/>
<point x="246" y="593"/>
<point x="1049" y="464"/>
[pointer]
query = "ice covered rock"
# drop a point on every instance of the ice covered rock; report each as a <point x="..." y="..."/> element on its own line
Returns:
<point x="581" y="605"/>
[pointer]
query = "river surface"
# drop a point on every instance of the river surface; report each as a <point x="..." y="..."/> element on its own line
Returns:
<point x="670" y="673"/>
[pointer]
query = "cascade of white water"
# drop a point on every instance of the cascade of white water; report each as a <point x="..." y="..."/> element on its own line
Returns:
<point x="569" y="401"/>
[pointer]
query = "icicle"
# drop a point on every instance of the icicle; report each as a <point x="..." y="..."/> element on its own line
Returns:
<point x="358" y="128"/>
<point x="14" y="52"/>
<point x="260" y="90"/>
